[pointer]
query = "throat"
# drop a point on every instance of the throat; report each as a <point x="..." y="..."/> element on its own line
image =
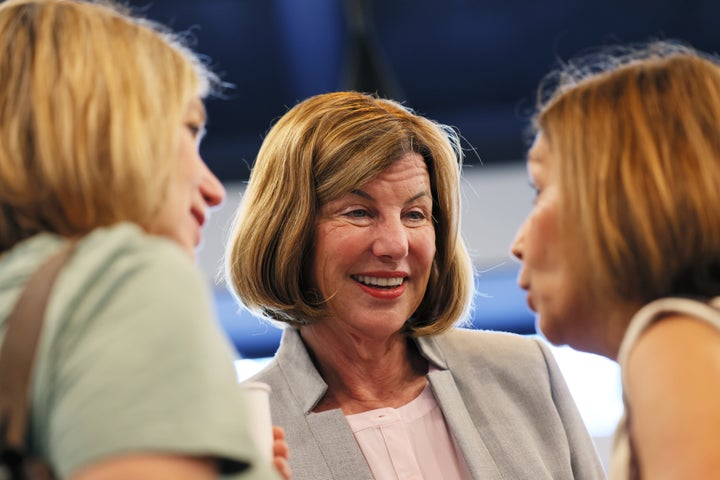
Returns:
<point x="382" y="381"/>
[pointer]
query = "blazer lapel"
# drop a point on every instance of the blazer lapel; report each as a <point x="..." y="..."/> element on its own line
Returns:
<point x="479" y="461"/>
<point x="337" y="443"/>
<point x="330" y="431"/>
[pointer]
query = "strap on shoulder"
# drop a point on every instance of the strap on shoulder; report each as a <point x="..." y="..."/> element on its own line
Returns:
<point x="24" y="325"/>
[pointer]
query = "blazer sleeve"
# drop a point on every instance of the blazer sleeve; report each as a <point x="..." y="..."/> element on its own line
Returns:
<point x="584" y="456"/>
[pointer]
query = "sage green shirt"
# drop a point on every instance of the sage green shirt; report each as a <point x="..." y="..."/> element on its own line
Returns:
<point x="131" y="358"/>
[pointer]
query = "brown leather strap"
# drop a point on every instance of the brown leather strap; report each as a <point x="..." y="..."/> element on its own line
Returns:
<point x="24" y="325"/>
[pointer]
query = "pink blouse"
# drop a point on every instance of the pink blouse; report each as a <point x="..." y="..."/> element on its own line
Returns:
<point x="409" y="443"/>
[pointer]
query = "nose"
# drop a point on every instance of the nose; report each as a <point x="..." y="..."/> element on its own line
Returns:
<point x="211" y="188"/>
<point x="518" y="243"/>
<point x="391" y="240"/>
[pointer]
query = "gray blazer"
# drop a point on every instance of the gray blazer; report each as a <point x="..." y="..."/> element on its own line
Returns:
<point x="502" y="395"/>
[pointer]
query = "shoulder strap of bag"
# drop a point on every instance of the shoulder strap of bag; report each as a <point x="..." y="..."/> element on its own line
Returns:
<point x="18" y="350"/>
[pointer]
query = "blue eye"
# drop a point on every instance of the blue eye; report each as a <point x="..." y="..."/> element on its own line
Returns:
<point x="416" y="215"/>
<point x="358" y="213"/>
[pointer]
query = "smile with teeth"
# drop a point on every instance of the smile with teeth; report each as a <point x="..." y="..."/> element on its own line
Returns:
<point x="379" y="282"/>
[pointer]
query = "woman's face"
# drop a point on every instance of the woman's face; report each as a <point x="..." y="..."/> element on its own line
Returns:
<point x="193" y="188"/>
<point x="547" y="272"/>
<point x="374" y="249"/>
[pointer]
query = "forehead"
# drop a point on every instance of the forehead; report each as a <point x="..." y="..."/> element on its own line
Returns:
<point x="538" y="156"/>
<point x="412" y="161"/>
<point x="410" y="166"/>
<point x="540" y="150"/>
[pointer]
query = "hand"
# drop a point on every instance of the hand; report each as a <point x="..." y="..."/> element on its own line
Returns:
<point x="281" y="453"/>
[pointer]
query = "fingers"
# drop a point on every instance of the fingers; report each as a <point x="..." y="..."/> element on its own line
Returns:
<point x="280" y="446"/>
<point x="283" y="467"/>
<point x="281" y="453"/>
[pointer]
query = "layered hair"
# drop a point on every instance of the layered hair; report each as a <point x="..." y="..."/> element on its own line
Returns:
<point x="636" y="138"/>
<point x="320" y="150"/>
<point x="91" y="103"/>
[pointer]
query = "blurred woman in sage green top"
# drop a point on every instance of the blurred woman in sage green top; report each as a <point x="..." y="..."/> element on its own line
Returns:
<point x="101" y="116"/>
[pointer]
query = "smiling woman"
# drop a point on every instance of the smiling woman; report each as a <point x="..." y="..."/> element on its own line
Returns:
<point x="193" y="188"/>
<point x="378" y="239"/>
<point x="360" y="256"/>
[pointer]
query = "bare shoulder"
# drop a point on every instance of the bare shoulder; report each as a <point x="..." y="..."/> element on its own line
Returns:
<point x="677" y="348"/>
<point x="672" y="382"/>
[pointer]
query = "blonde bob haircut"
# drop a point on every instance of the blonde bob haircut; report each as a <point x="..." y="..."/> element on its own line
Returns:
<point x="320" y="150"/>
<point x="91" y="104"/>
<point x="636" y="139"/>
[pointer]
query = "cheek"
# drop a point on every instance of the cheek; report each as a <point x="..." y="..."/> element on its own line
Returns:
<point x="330" y="248"/>
<point x="542" y="237"/>
<point x="424" y="246"/>
<point x="190" y="168"/>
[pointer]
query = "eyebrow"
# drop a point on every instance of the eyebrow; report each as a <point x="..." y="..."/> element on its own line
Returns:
<point x="361" y="193"/>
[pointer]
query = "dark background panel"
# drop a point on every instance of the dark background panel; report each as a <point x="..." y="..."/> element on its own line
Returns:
<point x="468" y="63"/>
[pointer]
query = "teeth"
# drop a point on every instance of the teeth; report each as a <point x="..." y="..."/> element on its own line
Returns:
<point x="379" y="281"/>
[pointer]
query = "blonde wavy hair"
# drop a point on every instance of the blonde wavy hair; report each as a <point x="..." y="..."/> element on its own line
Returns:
<point x="323" y="148"/>
<point x="636" y="134"/>
<point x="91" y="100"/>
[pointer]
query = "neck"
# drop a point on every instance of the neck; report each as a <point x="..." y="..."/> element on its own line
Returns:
<point x="613" y="323"/>
<point x="365" y="373"/>
<point x="618" y="321"/>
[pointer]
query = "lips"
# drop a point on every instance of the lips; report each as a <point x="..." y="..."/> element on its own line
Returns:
<point x="199" y="216"/>
<point x="525" y="285"/>
<point x="382" y="285"/>
<point x="530" y="304"/>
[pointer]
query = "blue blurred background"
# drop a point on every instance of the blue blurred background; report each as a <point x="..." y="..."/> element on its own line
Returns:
<point x="469" y="63"/>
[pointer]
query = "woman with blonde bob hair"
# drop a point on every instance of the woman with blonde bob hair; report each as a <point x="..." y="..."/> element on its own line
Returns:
<point x="349" y="233"/>
<point x="309" y="163"/>
<point x="101" y="118"/>
<point x="621" y="253"/>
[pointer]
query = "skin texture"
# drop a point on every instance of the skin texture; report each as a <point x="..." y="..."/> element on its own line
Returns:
<point x="147" y="466"/>
<point x="667" y="374"/>
<point x="194" y="189"/>
<point x="545" y="271"/>
<point x="154" y="466"/>
<point x="382" y="230"/>
<point x="281" y="453"/>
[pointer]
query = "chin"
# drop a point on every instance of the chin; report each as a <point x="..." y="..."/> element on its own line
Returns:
<point x="189" y="248"/>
